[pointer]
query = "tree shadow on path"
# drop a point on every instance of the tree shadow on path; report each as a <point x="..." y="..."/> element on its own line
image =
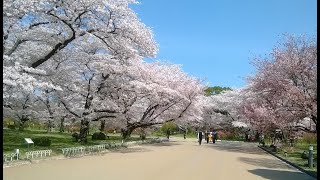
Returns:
<point x="237" y="147"/>
<point x="265" y="162"/>
<point x="280" y="174"/>
<point x="142" y="147"/>
<point x="170" y="143"/>
<point x="130" y="150"/>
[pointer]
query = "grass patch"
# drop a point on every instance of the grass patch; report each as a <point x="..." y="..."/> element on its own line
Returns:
<point x="14" y="139"/>
<point x="294" y="155"/>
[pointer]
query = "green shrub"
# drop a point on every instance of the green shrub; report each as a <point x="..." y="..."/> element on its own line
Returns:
<point x="143" y="136"/>
<point x="99" y="136"/>
<point x="75" y="136"/>
<point x="224" y="135"/>
<point x="171" y="126"/>
<point x="157" y="133"/>
<point x="11" y="126"/>
<point x="42" y="141"/>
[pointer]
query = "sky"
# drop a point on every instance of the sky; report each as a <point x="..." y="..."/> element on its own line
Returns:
<point x="216" y="40"/>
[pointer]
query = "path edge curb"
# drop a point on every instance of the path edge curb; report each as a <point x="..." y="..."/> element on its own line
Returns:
<point x="290" y="163"/>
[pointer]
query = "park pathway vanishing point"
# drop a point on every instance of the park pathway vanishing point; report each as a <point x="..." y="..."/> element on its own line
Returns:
<point x="174" y="160"/>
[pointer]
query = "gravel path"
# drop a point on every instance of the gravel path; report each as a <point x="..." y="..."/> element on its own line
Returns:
<point x="174" y="160"/>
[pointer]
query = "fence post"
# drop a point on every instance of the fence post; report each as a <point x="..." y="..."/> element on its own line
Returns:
<point x="310" y="160"/>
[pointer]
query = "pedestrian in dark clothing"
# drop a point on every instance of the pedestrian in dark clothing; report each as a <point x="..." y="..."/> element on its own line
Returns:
<point x="168" y="133"/>
<point x="200" y="137"/>
<point x="214" y="137"/>
<point x="206" y="135"/>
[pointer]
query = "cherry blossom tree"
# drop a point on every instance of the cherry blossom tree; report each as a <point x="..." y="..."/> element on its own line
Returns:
<point x="81" y="83"/>
<point x="42" y="36"/>
<point x="35" y="32"/>
<point x="148" y="94"/>
<point x="284" y="90"/>
<point x="222" y="109"/>
<point x="88" y="56"/>
<point x="19" y="106"/>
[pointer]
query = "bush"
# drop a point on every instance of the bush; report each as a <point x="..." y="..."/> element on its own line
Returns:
<point x="304" y="155"/>
<point x="76" y="136"/>
<point x="42" y="141"/>
<point x="309" y="138"/>
<point x="273" y="148"/>
<point x="98" y="136"/>
<point x="225" y="135"/>
<point x="11" y="126"/>
<point x="169" y="126"/>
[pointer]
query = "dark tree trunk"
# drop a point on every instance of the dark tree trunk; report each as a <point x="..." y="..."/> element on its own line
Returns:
<point x="21" y="125"/>
<point x="62" y="125"/>
<point x="88" y="132"/>
<point x="126" y="133"/>
<point x="49" y="127"/>
<point x="22" y="122"/>
<point x="84" y="129"/>
<point x="102" y="125"/>
<point x="314" y="119"/>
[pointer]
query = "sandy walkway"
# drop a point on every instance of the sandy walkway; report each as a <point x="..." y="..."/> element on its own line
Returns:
<point x="175" y="160"/>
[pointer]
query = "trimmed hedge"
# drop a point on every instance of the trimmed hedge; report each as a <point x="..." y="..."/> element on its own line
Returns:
<point x="42" y="141"/>
<point x="99" y="136"/>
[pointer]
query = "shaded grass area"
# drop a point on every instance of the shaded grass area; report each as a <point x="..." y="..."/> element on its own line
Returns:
<point x="14" y="139"/>
<point x="294" y="155"/>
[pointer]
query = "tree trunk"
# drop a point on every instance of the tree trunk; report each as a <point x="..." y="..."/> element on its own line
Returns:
<point x="88" y="132"/>
<point x="62" y="125"/>
<point x="49" y="126"/>
<point x="22" y="122"/>
<point x="127" y="132"/>
<point x="102" y="125"/>
<point x="21" y="125"/>
<point x="314" y="119"/>
<point x="84" y="129"/>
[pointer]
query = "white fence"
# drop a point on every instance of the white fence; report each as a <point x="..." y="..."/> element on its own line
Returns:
<point x="73" y="151"/>
<point x="36" y="154"/>
<point x="10" y="157"/>
<point x="97" y="148"/>
<point x="78" y="151"/>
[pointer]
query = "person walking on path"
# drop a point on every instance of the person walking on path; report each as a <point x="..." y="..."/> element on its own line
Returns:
<point x="208" y="137"/>
<point x="214" y="137"/>
<point x="200" y="137"/>
<point x="261" y="139"/>
<point x="168" y="133"/>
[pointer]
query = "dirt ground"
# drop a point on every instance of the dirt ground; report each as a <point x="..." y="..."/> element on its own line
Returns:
<point x="174" y="160"/>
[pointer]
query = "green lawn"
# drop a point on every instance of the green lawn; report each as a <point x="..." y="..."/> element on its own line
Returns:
<point x="294" y="155"/>
<point x="14" y="139"/>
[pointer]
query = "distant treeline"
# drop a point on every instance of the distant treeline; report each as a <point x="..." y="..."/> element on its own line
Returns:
<point x="215" y="90"/>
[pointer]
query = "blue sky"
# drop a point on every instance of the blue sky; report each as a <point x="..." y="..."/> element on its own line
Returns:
<point x="217" y="39"/>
